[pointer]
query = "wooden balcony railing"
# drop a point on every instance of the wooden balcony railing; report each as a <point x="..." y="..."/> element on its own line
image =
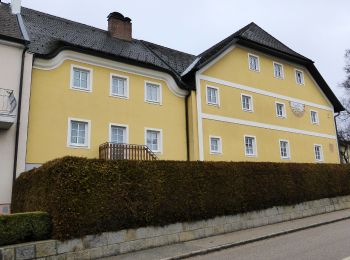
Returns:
<point x="115" y="151"/>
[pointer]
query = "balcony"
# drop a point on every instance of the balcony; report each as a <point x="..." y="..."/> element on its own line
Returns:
<point x="8" y="105"/>
<point x="115" y="151"/>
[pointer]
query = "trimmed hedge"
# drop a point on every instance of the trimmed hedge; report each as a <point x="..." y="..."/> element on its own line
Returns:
<point x="90" y="196"/>
<point x="24" y="227"/>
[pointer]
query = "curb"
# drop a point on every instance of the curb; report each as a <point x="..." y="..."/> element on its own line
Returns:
<point x="240" y="243"/>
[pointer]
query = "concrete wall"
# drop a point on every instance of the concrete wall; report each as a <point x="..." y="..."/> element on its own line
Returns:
<point x="124" y="241"/>
<point x="10" y="68"/>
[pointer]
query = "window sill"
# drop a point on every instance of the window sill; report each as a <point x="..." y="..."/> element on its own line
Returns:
<point x="118" y="96"/>
<point x="249" y="111"/>
<point x="216" y="153"/>
<point x="81" y="89"/>
<point x="153" y="102"/>
<point x="251" y="156"/>
<point x="86" y="147"/>
<point x="213" y="105"/>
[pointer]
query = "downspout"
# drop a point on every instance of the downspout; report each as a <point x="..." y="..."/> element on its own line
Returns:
<point x="187" y="126"/>
<point x="18" y="117"/>
<point x="336" y="130"/>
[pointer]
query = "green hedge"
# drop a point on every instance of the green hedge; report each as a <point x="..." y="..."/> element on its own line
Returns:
<point x="24" y="227"/>
<point x="87" y="196"/>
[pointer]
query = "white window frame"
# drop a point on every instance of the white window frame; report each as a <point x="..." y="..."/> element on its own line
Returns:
<point x="255" y="147"/>
<point x="274" y="71"/>
<point x="87" y="137"/>
<point x="321" y="153"/>
<point x="160" y="150"/>
<point x="284" y="109"/>
<point x="112" y="75"/>
<point x="296" y="78"/>
<point x="251" y="103"/>
<point x="219" y="147"/>
<point x="317" y="117"/>
<point x="217" y="97"/>
<point x="160" y="101"/>
<point x="90" y="78"/>
<point x="256" y="56"/>
<point x="288" y="157"/>
<point x="119" y="125"/>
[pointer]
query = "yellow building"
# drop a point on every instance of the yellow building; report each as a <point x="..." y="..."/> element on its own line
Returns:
<point x="248" y="98"/>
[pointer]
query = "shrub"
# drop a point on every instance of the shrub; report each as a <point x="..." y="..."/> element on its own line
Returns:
<point x="24" y="227"/>
<point x="90" y="196"/>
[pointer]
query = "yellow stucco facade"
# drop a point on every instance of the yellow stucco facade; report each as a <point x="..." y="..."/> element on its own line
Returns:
<point x="53" y="102"/>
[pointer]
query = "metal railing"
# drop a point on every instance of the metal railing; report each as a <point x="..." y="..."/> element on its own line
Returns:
<point x="8" y="101"/>
<point x="115" y="151"/>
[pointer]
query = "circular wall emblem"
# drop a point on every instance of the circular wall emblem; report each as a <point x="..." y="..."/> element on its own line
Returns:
<point x="297" y="108"/>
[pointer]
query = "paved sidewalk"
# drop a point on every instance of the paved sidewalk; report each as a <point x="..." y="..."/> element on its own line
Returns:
<point x="215" y="243"/>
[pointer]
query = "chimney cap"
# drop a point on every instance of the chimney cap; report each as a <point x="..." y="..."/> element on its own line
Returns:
<point x="118" y="16"/>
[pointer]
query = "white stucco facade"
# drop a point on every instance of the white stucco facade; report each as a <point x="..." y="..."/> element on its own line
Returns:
<point x="10" y="74"/>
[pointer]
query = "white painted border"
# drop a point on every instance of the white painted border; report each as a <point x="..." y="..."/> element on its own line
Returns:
<point x="118" y="125"/>
<point x="317" y="117"/>
<point x="256" y="56"/>
<point x="160" y="101"/>
<point x="90" y="79"/>
<point x="217" y="98"/>
<point x="112" y="75"/>
<point x="251" y="110"/>
<point x="255" y="147"/>
<point x="296" y="79"/>
<point x="220" y="145"/>
<point x="199" y="117"/>
<point x="266" y="126"/>
<point x="321" y="151"/>
<point x="289" y="157"/>
<point x="284" y="116"/>
<point x="54" y="63"/>
<point x="262" y="92"/>
<point x="88" y="135"/>
<point x="274" y="72"/>
<point x="161" y="138"/>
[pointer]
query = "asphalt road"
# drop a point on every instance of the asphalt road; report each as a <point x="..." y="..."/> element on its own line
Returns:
<point x="322" y="243"/>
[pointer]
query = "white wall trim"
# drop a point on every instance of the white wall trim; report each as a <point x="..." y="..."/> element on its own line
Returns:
<point x="12" y="44"/>
<point x="262" y="92"/>
<point x="199" y="117"/>
<point x="266" y="126"/>
<point x="113" y="75"/>
<point x="118" y="125"/>
<point x="55" y="62"/>
<point x="213" y="62"/>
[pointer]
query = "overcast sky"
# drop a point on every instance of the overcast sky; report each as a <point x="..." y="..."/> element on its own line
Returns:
<point x="318" y="29"/>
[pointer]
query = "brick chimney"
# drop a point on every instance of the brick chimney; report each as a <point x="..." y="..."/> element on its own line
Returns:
<point x="119" y="26"/>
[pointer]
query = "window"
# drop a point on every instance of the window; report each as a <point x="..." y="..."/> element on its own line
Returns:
<point x="284" y="149"/>
<point x="314" y="117"/>
<point x="250" y="146"/>
<point x="118" y="134"/>
<point x="253" y="62"/>
<point x="153" y="92"/>
<point x="154" y="140"/>
<point x="247" y="103"/>
<point x="212" y="96"/>
<point x="81" y="78"/>
<point x="215" y="145"/>
<point x="318" y="152"/>
<point x="281" y="110"/>
<point x="299" y="77"/>
<point x="78" y="133"/>
<point x="278" y="70"/>
<point x="119" y="86"/>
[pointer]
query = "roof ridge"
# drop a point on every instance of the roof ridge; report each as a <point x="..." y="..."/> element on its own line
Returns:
<point x="147" y="42"/>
